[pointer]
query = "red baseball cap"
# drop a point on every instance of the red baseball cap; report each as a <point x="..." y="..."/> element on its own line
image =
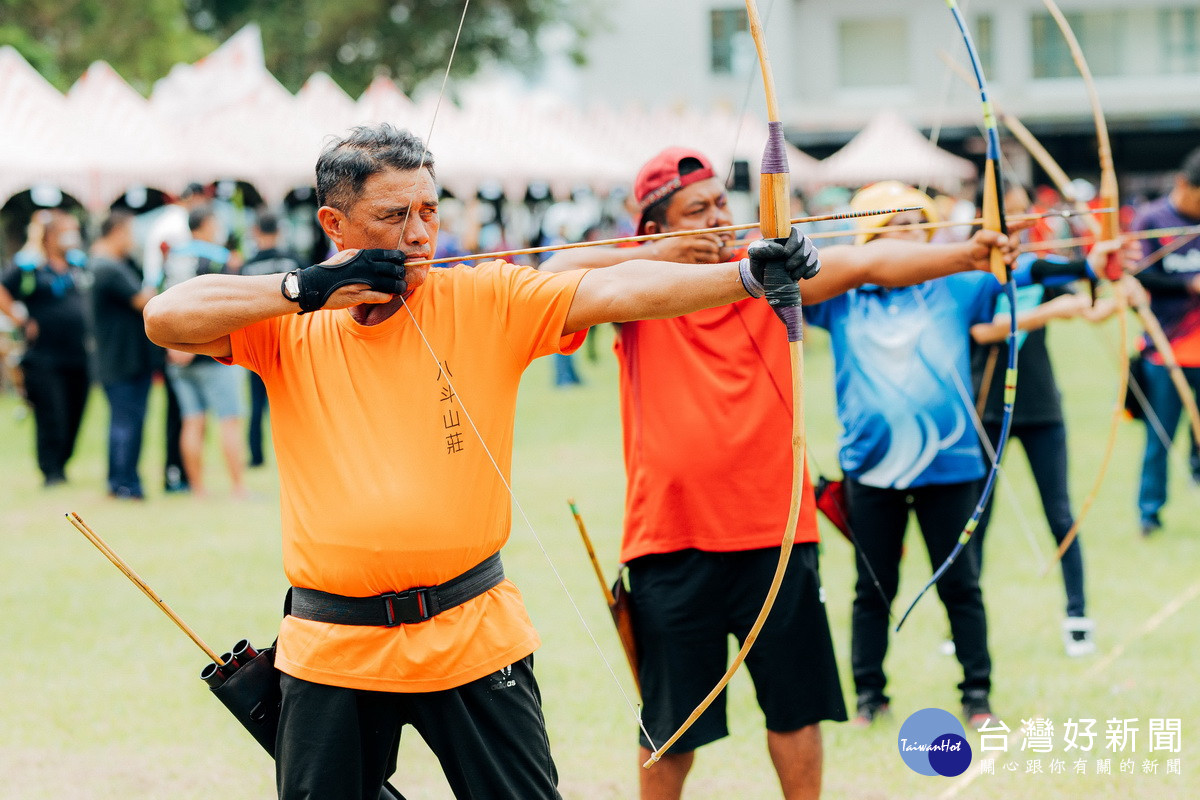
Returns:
<point x="660" y="177"/>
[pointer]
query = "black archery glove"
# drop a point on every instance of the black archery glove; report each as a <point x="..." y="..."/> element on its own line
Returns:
<point x="794" y="258"/>
<point x="378" y="270"/>
<point x="1055" y="273"/>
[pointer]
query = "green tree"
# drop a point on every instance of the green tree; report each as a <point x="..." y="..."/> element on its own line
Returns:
<point x="141" y="39"/>
<point x="408" y="40"/>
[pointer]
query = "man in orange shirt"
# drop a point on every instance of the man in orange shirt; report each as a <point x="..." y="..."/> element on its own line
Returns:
<point x="705" y="405"/>
<point x="393" y="408"/>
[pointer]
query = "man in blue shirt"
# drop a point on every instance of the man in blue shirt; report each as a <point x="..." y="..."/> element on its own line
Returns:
<point x="908" y="443"/>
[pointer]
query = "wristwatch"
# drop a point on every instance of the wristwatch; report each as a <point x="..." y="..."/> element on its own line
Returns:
<point x="291" y="286"/>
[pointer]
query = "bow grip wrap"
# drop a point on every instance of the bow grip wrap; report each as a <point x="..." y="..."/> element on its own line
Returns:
<point x="783" y="295"/>
<point x="782" y="262"/>
<point x="378" y="269"/>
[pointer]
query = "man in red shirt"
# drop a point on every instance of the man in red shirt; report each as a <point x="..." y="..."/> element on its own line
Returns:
<point x="705" y="406"/>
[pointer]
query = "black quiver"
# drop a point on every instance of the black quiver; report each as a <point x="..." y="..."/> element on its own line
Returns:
<point x="248" y="685"/>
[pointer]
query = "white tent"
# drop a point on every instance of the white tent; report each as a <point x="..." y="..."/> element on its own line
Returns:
<point x="227" y="117"/>
<point x="226" y="75"/>
<point x="126" y="143"/>
<point x="36" y="135"/>
<point x="889" y="148"/>
<point x="630" y="136"/>
<point x="382" y="101"/>
<point x="517" y="137"/>
<point x="325" y="104"/>
<point x="222" y="109"/>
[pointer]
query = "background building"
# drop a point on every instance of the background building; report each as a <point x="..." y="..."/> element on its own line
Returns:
<point x="838" y="63"/>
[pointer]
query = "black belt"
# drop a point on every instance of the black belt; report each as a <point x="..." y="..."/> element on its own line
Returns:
<point x="397" y="608"/>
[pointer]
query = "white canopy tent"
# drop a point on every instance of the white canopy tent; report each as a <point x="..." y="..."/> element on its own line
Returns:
<point x="631" y="136"/>
<point x="36" y="135"/>
<point x="325" y="104"/>
<point x="126" y="143"/>
<point x="226" y="117"/>
<point x="230" y="114"/>
<point x="889" y="148"/>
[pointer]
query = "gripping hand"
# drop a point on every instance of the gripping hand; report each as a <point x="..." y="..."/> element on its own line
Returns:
<point x="792" y="259"/>
<point x="379" y="270"/>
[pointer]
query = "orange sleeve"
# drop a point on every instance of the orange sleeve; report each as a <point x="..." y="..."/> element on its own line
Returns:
<point x="256" y="347"/>
<point x="532" y="307"/>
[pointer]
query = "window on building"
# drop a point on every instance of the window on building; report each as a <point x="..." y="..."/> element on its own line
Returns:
<point x="985" y="42"/>
<point x="1133" y="41"/>
<point x="1179" y="31"/>
<point x="873" y="52"/>
<point x="1100" y="37"/>
<point x="730" y="34"/>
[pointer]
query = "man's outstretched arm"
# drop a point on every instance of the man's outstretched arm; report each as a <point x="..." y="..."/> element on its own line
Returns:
<point x="198" y="315"/>
<point x="884" y="262"/>
<point x="659" y="289"/>
<point x="651" y="290"/>
<point x="894" y="263"/>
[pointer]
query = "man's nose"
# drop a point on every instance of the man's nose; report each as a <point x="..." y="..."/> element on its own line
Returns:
<point x="719" y="217"/>
<point x="416" y="232"/>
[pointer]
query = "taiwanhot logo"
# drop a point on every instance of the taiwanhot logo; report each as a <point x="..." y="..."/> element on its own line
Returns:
<point x="933" y="742"/>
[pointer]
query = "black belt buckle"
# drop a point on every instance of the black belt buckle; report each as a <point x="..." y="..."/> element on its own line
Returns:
<point x="407" y="607"/>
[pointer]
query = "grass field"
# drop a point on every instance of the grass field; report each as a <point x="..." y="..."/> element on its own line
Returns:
<point x="101" y="698"/>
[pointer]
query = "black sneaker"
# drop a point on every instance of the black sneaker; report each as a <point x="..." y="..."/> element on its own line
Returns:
<point x="870" y="708"/>
<point x="1150" y="526"/>
<point x="976" y="709"/>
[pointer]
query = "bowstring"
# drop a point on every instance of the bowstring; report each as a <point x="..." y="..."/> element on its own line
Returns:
<point x="745" y="107"/>
<point x="471" y="421"/>
<point x="986" y="442"/>
<point x="964" y="395"/>
<point x="997" y="187"/>
<point x="935" y="131"/>
<point x="1134" y="386"/>
<point x="538" y="539"/>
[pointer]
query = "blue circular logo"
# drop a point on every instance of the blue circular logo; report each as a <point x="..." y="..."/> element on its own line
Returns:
<point x="933" y="742"/>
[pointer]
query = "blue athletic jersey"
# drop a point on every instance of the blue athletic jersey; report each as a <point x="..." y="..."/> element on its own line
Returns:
<point x="902" y="365"/>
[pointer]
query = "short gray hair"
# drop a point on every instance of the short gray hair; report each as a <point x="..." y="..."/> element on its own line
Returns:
<point x="345" y="165"/>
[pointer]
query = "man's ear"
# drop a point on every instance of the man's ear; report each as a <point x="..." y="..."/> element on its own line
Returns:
<point x="651" y="227"/>
<point x="333" y="222"/>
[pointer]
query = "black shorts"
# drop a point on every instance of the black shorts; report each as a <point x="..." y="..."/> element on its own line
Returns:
<point x="489" y="735"/>
<point x="687" y="604"/>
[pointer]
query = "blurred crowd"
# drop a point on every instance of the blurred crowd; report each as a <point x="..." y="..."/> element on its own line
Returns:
<point x="70" y="306"/>
<point x="74" y="308"/>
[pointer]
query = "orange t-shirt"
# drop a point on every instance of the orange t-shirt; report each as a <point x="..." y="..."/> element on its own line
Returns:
<point x="706" y="406"/>
<point x="384" y="483"/>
